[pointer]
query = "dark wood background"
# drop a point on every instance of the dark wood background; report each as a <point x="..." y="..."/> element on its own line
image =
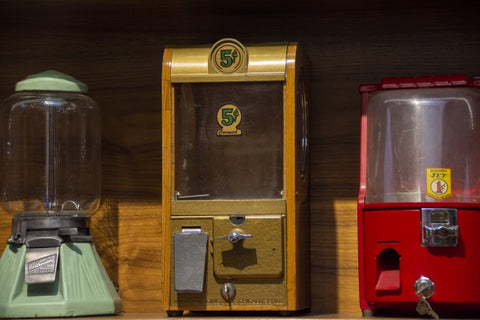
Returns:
<point x="116" y="48"/>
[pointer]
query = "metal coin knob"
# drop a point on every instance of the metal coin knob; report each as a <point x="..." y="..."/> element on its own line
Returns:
<point x="228" y="291"/>
<point x="424" y="287"/>
<point x="235" y="236"/>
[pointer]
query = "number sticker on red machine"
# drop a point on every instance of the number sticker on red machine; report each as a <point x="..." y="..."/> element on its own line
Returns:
<point x="439" y="183"/>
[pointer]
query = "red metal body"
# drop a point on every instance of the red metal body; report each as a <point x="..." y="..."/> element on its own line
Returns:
<point x="391" y="255"/>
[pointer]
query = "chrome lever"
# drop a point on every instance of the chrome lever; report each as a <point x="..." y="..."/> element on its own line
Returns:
<point x="439" y="227"/>
<point x="235" y="237"/>
<point x="442" y="232"/>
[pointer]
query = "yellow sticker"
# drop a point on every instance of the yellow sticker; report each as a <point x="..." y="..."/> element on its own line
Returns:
<point x="439" y="183"/>
<point x="229" y="117"/>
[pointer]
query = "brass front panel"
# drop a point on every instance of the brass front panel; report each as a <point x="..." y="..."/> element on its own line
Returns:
<point x="265" y="289"/>
<point x="260" y="255"/>
<point x="227" y="207"/>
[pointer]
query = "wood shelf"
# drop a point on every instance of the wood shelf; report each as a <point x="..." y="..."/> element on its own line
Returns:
<point x="162" y="316"/>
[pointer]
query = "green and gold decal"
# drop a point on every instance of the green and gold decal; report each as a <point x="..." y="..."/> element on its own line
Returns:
<point x="228" y="56"/>
<point x="229" y="117"/>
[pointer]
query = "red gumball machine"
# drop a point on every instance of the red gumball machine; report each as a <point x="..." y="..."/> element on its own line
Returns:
<point x="419" y="199"/>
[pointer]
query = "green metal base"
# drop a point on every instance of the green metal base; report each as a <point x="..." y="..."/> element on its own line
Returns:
<point x="82" y="286"/>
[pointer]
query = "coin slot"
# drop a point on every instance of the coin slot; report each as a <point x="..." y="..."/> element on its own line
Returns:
<point x="237" y="220"/>
<point x="439" y="216"/>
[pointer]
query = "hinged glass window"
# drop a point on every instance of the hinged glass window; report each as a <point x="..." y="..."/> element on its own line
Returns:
<point x="229" y="140"/>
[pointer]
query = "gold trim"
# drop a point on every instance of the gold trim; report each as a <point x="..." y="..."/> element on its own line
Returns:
<point x="227" y="207"/>
<point x="264" y="63"/>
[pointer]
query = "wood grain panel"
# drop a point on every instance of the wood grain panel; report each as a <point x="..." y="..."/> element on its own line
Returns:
<point x="116" y="48"/>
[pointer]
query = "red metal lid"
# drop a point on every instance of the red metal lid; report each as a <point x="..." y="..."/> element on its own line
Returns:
<point x="458" y="80"/>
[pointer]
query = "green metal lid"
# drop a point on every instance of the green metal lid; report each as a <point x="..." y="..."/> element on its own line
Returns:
<point x="51" y="80"/>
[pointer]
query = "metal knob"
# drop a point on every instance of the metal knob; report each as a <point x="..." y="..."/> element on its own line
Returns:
<point x="228" y="291"/>
<point x="424" y="287"/>
<point x="234" y="236"/>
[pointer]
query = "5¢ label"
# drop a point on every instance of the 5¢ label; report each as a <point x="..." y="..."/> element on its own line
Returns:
<point x="228" y="56"/>
<point x="229" y="117"/>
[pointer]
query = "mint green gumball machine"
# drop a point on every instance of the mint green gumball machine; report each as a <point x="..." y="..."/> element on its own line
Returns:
<point x="50" y="178"/>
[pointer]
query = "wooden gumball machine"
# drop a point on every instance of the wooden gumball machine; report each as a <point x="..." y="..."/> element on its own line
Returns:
<point x="419" y="201"/>
<point x="235" y="178"/>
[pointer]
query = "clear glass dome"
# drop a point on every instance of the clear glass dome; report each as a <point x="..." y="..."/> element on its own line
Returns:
<point x="423" y="145"/>
<point x="50" y="153"/>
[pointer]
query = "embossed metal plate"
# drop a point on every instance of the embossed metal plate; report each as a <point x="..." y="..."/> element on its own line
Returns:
<point x="41" y="265"/>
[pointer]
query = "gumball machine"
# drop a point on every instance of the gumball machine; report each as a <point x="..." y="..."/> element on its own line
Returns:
<point x="235" y="178"/>
<point x="419" y="199"/>
<point x="50" y="173"/>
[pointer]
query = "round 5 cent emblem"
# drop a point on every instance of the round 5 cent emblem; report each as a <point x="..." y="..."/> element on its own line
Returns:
<point x="229" y="117"/>
<point x="228" y="56"/>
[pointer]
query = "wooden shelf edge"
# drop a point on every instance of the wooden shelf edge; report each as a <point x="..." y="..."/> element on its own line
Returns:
<point x="202" y="316"/>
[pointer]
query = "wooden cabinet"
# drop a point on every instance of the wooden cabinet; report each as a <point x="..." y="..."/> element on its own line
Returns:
<point x="116" y="47"/>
